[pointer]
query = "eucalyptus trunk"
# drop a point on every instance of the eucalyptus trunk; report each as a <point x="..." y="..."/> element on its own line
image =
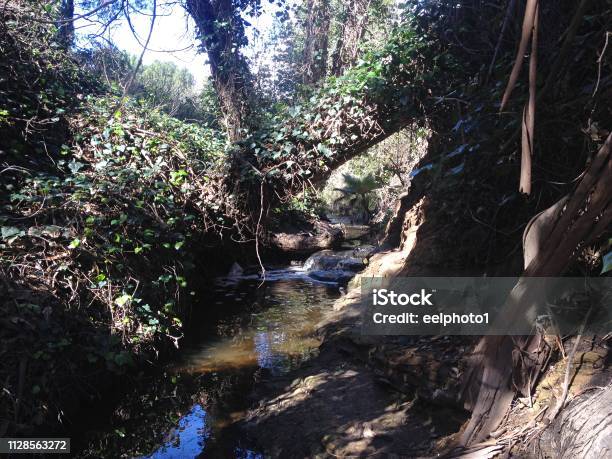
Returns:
<point x="316" y="41"/>
<point x="354" y="24"/>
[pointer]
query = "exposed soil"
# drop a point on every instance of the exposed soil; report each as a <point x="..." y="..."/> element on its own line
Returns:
<point x="367" y="396"/>
<point x="363" y="395"/>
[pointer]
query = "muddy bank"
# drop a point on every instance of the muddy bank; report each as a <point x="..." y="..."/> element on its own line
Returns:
<point x="366" y="396"/>
<point x="363" y="395"/>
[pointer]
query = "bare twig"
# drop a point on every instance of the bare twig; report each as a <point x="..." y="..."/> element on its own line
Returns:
<point x="600" y="61"/>
<point x="501" y="36"/>
<point x="261" y="206"/>
<point x="144" y="50"/>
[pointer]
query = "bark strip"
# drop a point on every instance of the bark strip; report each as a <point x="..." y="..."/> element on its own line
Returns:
<point x="501" y="365"/>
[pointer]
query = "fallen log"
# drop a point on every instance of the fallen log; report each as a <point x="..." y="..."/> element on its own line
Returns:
<point x="323" y="236"/>
<point x="582" y="430"/>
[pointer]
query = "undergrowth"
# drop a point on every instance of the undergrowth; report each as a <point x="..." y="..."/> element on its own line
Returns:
<point x="103" y="203"/>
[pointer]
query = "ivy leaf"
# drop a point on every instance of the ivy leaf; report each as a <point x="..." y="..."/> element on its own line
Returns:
<point x="607" y="263"/>
<point x="75" y="166"/>
<point x="122" y="300"/>
<point x="9" y="232"/>
<point x="323" y="149"/>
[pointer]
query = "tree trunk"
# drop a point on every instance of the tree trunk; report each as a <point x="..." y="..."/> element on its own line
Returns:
<point x="354" y="26"/>
<point x="66" y="27"/>
<point x="582" y="430"/>
<point x="316" y="41"/>
<point x="503" y="364"/>
<point x="221" y="32"/>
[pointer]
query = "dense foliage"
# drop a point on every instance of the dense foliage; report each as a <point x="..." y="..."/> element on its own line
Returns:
<point x="348" y="114"/>
<point x="161" y="85"/>
<point x="101" y="205"/>
<point x="107" y="203"/>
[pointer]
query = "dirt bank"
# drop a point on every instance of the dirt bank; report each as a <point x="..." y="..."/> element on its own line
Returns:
<point x="368" y="396"/>
<point x="363" y="395"/>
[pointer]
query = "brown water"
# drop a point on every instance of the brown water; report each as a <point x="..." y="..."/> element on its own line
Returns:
<point x="276" y="336"/>
<point x="266" y="330"/>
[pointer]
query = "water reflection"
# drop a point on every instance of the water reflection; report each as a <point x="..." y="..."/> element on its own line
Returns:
<point x="276" y="334"/>
<point x="273" y="329"/>
<point x="188" y="439"/>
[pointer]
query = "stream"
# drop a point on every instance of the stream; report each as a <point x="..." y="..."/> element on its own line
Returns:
<point x="266" y="329"/>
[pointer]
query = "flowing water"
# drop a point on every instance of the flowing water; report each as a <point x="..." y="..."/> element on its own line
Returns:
<point x="265" y="329"/>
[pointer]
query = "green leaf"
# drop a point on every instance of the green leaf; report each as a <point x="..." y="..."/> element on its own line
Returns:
<point x="323" y="149"/>
<point x="122" y="300"/>
<point x="607" y="263"/>
<point x="10" y="231"/>
<point x="74" y="244"/>
<point x="75" y="166"/>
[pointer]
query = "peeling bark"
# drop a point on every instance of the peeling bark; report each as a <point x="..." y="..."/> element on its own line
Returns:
<point x="528" y="124"/>
<point x="501" y="365"/>
<point x="583" y="430"/>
